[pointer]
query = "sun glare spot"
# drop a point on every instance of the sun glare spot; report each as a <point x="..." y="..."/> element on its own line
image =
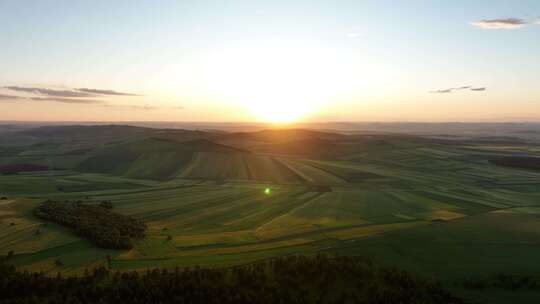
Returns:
<point x="280" y="81"/>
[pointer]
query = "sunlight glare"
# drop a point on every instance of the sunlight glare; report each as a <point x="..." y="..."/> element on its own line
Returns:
<point x="279" y="82"/>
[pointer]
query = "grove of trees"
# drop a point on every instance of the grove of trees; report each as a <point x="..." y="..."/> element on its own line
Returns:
<point x="98" y="223"/>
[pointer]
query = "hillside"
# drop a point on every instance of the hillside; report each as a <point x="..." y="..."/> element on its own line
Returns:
<point x="151" y="158"/>
<point x="107" y="134"/>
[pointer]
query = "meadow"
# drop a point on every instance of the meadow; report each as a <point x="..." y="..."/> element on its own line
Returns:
<point x="435" y="207"/>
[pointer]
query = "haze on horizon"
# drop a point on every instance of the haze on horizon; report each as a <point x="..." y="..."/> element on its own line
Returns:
<point x="270" y="61"/>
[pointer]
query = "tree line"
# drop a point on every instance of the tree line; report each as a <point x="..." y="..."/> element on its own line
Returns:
<point x="503" y="281"/>
<point x="292" y="279"/>
<point x="98" y="223"/>
<point x="523" y="162"/>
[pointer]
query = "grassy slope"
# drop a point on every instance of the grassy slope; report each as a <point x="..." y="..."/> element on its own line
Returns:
<point x="151" y="158"/>
<point x="441" y="210"/>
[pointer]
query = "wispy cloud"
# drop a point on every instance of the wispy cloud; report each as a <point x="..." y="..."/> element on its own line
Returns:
<point x="9" y="97"/>
<point x="451" y="90"/>
<point x="71" y="93"/>
<point x="68" y="100"/>
<point x="52" y="98"/>
<point x="105" y="92"/>
<point x="445" y="91"/>
<point x="49" y="92"/>
<point x="71" y="96"/>
<point x="144" y="107"/>
<point x="496" y="24"/>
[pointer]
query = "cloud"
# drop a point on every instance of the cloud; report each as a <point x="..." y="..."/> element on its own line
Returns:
<point x="495" y="24"/>
<point x="52" y="98"/>
<point x="105" y="92"/>
<point x="10" y="97"/>
<point x="74" y="96"/>
<point x="451" y="90"/>
<point x="49" y="92"/>
<point x="72" y="93"/>
<point x="68" y="100"/>
<point x="144" y="107"/>
<point x="445" y="91"/>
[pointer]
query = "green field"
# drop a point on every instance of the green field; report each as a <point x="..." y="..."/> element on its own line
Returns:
<point x="437" y="208"/>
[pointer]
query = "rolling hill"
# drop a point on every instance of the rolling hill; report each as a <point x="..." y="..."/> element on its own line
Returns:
<point x="151" y="158"/>
<point x="220" y="199"/>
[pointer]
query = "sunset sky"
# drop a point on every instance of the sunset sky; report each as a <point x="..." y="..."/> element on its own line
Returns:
<point x="271" y="61"/>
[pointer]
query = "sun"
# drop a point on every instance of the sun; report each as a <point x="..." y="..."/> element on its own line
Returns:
<point x="278" y="81"/>
<point x="278" y="114"/>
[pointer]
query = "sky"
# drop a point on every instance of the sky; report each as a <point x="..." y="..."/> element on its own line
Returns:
<point x="270" y="61"/>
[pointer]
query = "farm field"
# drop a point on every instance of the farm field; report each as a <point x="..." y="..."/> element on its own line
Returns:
<point x="438" y="208"/>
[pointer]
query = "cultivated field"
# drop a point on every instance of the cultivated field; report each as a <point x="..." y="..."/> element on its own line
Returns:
<point x="438" y="208"/>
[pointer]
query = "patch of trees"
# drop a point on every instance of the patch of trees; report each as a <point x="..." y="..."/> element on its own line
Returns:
<point x="504" y="282"/>
<point x="106" y="204"/>
<point x="98" y="223"/>
<point x="16" y="168"/>
<point x="293" y="279"/>
<point x="523" y="162"/>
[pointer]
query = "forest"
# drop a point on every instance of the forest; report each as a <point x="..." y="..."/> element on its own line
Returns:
<point x="98" y="223"/>
<point x="292" y="279"/>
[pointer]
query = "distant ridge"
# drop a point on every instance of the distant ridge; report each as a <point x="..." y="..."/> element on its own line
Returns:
<point x="81" y="130"/>
<point x="288" y="135"/>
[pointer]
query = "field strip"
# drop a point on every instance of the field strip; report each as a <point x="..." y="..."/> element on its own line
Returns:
<point x="247" y="168"/>
<point x="307" y="202"/>
<point x="6" y="202"/>
<point x="17" y="232"/>
<point x="178" y="172"/>
<point x="372" y="230"/>
<point x="326" y="232"/>
<point x="35" y="254"/>
<point x="117" y="192"/>
<point x="318" y="166"/>
<point x="280" y="164"/>
<point x="191" y="193"/>
<point x="191" y="165"/>
<point x="466" y="199"/>
<point x="201" y="206"/>
<point x="275" y="199"/>
<point x="279" y="198"/>
<point x="297" y="172"/>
